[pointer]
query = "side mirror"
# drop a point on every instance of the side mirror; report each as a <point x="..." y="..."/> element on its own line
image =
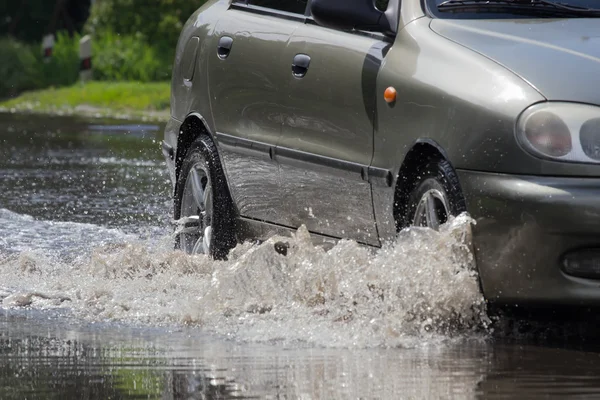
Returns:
<point x="350" y="14"/>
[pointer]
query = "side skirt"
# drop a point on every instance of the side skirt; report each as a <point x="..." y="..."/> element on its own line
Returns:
<point x="251" y="229"/>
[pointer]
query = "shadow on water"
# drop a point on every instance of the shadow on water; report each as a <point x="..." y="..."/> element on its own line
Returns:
<point x="572" y="327"/>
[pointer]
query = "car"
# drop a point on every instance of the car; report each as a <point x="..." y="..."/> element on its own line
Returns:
<point x="358" y="119"/>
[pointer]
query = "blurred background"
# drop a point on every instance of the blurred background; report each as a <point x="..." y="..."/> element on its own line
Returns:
<point x="132" y="41"/>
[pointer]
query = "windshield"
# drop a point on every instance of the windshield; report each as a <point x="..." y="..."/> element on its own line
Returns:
<point x="486" y="10"/>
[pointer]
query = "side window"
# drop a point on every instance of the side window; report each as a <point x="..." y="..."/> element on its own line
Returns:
<point x="382" y="4"/>
<point x="292" y="6"/>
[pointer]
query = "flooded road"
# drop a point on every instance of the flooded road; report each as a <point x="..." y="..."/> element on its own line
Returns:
<point x="94" y="303"/>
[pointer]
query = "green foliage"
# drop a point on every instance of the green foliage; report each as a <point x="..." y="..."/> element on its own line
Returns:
<point x="23" y="68"/>
<point x="63" y="67"/>
<point x="29" y="20"/>
<point x="119" y="57"/>
<point x="19" y="68"/>
<point x="115" y="97"/>
<point x="158" y="22"/>
<point x="132" y="40"/>
<point x="136" y="39"/>
<point x="115" y="58"/>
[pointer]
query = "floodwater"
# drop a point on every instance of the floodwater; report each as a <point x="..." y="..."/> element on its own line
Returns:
<point x="95" y="304"/>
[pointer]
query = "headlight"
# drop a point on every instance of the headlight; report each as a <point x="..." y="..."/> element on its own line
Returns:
<point x="561" y="131"/>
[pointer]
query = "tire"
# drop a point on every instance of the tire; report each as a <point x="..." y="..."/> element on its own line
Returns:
<point x="203" y="209"/>
<point x="432" y="196"/>
<point x="436" y="174"/>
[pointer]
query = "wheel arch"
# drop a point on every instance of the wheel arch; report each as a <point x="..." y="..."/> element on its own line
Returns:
<point x="192" y="127"/>
<point x="421" y="152"/>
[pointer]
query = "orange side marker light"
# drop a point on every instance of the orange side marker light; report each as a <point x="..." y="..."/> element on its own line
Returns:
<point x="390" y="95"/>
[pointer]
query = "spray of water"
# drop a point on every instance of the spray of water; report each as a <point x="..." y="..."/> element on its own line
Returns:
<point x="421" y="287"/>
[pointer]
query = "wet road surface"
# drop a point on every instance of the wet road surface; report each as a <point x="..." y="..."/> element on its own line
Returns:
<point x="95" y="304"/>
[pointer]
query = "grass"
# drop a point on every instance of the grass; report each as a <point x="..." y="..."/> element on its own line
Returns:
<point x="116" y="99"/>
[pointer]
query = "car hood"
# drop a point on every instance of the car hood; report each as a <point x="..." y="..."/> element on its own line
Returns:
<point x="558" y="57"/>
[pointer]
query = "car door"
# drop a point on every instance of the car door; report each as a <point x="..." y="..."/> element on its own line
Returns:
<point x="326" y="145"/>
<point x="246" y="75"/>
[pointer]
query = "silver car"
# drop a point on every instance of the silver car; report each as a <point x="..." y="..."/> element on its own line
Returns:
<point x="358" y="119"/>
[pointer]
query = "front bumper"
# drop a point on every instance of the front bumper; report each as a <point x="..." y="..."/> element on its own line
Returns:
<point x="524" y="226"/>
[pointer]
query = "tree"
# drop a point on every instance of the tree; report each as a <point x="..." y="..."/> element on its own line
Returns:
<point x="159" y="22"/>
<point x="29" y="20"/>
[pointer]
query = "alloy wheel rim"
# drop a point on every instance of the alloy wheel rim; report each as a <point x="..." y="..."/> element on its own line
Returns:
<point x="195" y="223"/>
<point x="432" y="210"/>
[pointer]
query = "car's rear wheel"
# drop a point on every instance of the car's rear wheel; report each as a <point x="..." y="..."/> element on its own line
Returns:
<point x="204" y="210"/>
<point x="434" y="196"/>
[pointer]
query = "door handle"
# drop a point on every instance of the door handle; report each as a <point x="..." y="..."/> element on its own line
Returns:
<point x="300" y="65"/>
<point x="224" y="47"/>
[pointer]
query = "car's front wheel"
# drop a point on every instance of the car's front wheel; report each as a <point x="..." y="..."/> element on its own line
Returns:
<point x="203" y="207"/>
<point x="434" y="196"/>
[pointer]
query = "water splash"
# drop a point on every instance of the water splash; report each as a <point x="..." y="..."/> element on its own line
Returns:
<point x="421" y="287"/>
